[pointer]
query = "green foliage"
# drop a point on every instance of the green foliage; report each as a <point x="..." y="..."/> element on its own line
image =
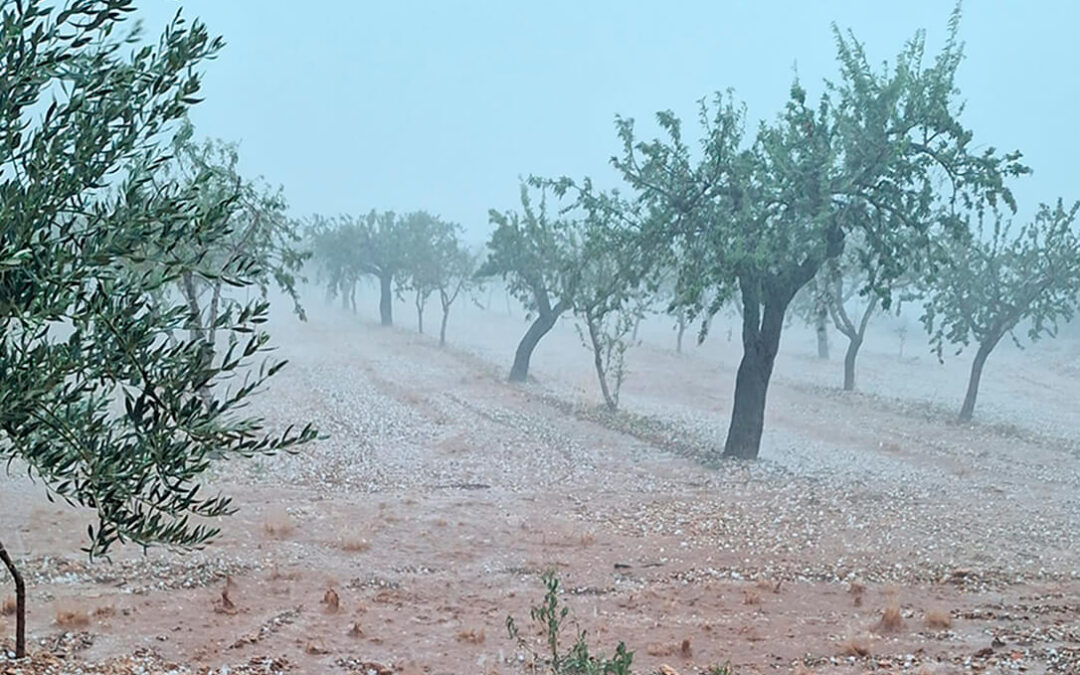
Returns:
<point x="261" y="239"/>
<point x="98" y="403"/>
<point x="434" y="261"/>
<point x="760" y="216"/>
<point x="993" y="281"/>
<point x="336" y="253"/>
<point x="550" y="618"/>
<point x="538" y="255"/>
<point x="610" y="300"/>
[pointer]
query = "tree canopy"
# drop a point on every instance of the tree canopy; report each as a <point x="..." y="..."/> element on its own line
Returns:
<point x="990" y="283"/>
<point x="98" y="403"/>
<point x="540" y="257"/>
<point x="760" y="216"/>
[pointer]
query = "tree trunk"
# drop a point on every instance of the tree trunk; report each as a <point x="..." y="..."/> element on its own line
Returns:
<point x="211" y="320"/>
<point x="821" y="325"/>
<point x="544" y="322"/>
<point x="760" y="346"/>
<point x="681" y="330"/>
<point x="419" y="313"/>
<point x="849" y="362"/>
<point x="191" y="295"/>
<point x="598" y="361"/>
<point x="442" y="327"/>
<point x="968" y="409"/>
<point x="386" y="299"/>
<point x="352" y="295"/>
<point x="196" y="329"/>
<point x="20" y="603"/>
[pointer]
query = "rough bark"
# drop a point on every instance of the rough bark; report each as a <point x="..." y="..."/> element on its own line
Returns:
<point x="386" y="298"/>
<point x="20" y="603"/>
<point x="967" y="410"/>
<point x="544" y="322"/>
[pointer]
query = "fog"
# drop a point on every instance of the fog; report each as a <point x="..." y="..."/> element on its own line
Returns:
<point x="792" y="392"/>
<point x="443" y="106"/>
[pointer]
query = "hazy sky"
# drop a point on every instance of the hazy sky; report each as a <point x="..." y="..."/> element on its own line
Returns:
<point x="441" y="105"/>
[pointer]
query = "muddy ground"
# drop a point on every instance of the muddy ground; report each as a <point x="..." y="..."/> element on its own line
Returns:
<point x="441" y="493"/>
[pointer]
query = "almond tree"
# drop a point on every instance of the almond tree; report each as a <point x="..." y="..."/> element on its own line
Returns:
<point x="457" y="275"/>
<point x="610" y="300"/>
<point x="382" y="254"/>
<point x="539" y="256"/>
<point x="993" y="281"/>
<point x="98" y="404"/>
<point x="759" y="217"/>
<point x="426" y="243"/>
<point x="347" y="247"/>
<point x="262" y="239"/>
<point x="335" y="257"/>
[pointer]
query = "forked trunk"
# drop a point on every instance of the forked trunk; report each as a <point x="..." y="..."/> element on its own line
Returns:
<point x="760" y="346"/>
<point x="20" y="603"/>
<point x="544" y="322"/>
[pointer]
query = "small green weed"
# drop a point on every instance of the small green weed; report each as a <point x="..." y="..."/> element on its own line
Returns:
<point x="551" y="617"/>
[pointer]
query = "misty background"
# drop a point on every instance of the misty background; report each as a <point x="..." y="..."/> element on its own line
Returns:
<point x="353" y="106"/>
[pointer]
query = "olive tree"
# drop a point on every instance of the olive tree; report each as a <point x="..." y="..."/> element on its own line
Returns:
<point x="97" y="403"/>
<point x="539" y="256"/>
<point x="883" y="152"/>
<point x="995" y="280"/>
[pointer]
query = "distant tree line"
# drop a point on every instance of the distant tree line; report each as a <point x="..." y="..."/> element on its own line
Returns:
<point x="415" y="254"/>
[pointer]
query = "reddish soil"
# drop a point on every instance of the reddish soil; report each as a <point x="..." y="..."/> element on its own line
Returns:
<point x="442" y="493"/>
